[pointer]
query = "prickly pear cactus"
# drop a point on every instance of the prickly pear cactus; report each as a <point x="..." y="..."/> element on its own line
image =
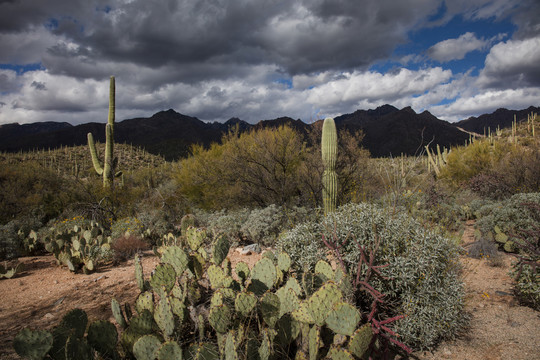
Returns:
<point x="260" y="314"/>
<point x="79" y="247"/>
<point x="33" y="344"/>
<point x="9" y="273"/>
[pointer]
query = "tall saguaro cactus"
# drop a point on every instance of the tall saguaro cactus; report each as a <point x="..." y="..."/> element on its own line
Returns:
<point x="329" y="155"/>
<point x="107" y="168"/>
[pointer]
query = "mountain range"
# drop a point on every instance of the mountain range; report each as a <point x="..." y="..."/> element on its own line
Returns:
<point x="388" y="131"/>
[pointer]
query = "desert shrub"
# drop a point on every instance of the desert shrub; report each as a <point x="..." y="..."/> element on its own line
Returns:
<point x="264" y="225"/>
<point x="465" y="162"/>
<point x="10" y="242"/>
<point x="485" y="249"/>
<point x="423" y="280"/>
<point x="526" y="269"/>
<point x="125" y="225"/>
<point x="527" y="285"/>
<point x="156" y="224"/>
<point x="509" y="215"/>
<point x="224" y="222"/>
<point x="260" y="225"/>
<point x="28" y="189"/>
<point x="490" y="185"/>
<point x="438" y="205"/>
<point x="520" y="169"/>
<point x="126" y="246"/>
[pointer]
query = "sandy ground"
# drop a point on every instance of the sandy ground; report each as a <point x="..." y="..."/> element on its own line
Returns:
<point x="500" y="329"/>
<point x="39" y="297"/>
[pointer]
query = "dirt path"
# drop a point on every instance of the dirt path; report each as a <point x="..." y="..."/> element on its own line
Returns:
<point x="500" y="328"/>
<point x="38" y="298"/>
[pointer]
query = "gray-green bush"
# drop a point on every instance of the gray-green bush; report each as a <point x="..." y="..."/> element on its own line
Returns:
<point x="423" y="280"/>
<point x="509" y="215"/>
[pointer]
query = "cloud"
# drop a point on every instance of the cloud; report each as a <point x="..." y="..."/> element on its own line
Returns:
<point x="25" y="47"/>
<point x="253" y="60"/>
<point x="456" y="49"/>
<point x="8" y="81"/>
<point x="488" y="101"/>
<point x="513" y="63"/>
<point x="298" y="37"/>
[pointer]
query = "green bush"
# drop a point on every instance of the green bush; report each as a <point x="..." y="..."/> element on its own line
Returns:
<point x="128" y="224"/>
<point x="423" y="280"/>
<point x="509" y="215"/>
<point x="527" y="285"/>
<point x="13" y="235"/>
<point x="225" y="222"/>
<point x="259" y="225"/>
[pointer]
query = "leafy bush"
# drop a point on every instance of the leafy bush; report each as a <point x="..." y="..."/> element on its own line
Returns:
<point x="264" y="225"/>
<point x="125" y="225"/>
<point x="509" y="215"/>
<point x="126" y="246"/>
<point x="28" y="189"/>
<point x="423" y="280"/>
<point x="527" y="285"/>
<point x="490" y="185"/>
<point x="225" y="222"/>
<point x="13" y="237"/>
<point x="485" y="249"/>
<point x="465" y="162"/>
<point x="260" y="225"/>
<point x="526" y="270"/>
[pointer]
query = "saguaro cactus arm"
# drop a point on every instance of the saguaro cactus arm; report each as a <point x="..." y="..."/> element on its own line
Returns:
<point x="107" y="169"/>
<point x="93" y="152"/>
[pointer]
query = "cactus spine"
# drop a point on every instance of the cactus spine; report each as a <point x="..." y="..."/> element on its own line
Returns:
<point x="329" y="155"/>
<point x="107" y="169"/>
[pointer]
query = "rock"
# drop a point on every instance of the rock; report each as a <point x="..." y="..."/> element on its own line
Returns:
<point x="447" y="352"/>
<point x="252" y="248"/>
<point x="59" y="301"/>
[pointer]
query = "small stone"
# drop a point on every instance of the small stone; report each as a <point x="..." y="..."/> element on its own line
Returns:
<point x="48" y="316"/>
<point x="252" y="248"/>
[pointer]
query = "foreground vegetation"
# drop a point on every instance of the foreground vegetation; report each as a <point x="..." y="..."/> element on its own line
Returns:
<point x="389" y="251"/>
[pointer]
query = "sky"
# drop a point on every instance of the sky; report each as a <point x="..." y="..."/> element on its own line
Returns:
<point x="262" y="59"/>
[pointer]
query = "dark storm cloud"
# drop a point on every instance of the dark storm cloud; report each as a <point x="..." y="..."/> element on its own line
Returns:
<point x="298" y="37"/>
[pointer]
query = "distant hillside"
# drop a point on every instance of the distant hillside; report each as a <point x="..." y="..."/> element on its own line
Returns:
<point x="388" y="131"/>
<point x="500" y="117"/>
<point x="14" y="131"/>
<point x="167" y="133"/>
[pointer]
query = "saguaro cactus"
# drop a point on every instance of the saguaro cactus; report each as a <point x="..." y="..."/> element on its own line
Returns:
<point x="329" y="155"/>
<point x="107" y="169"/>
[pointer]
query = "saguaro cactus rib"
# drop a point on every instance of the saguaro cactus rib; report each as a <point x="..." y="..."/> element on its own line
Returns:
<point x="329" y="150"/>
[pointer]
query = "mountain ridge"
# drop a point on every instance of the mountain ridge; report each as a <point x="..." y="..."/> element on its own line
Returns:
<point x="388" y="131"/>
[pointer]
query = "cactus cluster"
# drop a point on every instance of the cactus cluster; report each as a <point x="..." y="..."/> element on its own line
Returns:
<point x="438" y="160"/>
<point x="78" y="247"/>
<point x="329" y="148"/>
<point x="195" y="306"/>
